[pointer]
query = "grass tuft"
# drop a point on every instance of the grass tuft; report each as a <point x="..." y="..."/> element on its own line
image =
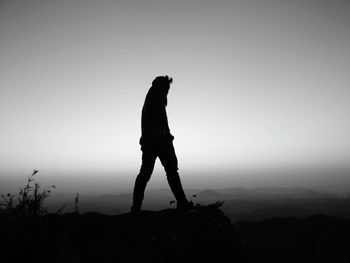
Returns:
<point x="28" y="203"/>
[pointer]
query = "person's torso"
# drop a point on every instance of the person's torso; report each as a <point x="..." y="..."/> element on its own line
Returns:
<point x="154" y="124"/>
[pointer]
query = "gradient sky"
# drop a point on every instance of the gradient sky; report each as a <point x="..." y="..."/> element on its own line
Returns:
<point x="260" y="94"/>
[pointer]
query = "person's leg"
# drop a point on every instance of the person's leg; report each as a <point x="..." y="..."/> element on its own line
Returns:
<point x="168" y="159"/>
<point x="147" y="166"/>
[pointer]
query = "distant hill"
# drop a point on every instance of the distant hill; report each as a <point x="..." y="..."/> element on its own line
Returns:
<point x="273" y="192"/>
<point x="259" y="209"/>
<point x="210" y="195"/>
<point x="238" y="202"/>
<point x="238" y="191"/>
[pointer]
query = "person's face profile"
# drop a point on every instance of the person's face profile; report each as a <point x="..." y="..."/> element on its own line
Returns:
<point x="165" y="87"/>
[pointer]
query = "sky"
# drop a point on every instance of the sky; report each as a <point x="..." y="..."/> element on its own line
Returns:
<point x="260" y="94"/>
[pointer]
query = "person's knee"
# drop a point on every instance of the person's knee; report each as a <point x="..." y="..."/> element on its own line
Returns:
<point x="145" y="173"/>
<point x="170" y="166"/>
<point x="171" y="173"/>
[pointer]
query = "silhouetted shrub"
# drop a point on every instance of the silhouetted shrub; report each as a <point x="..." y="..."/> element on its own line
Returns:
<point x="29" y="201"/>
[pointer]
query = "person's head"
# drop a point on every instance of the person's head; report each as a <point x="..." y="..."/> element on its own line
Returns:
<point x="161" y="84"/>
<point x="159" y="90"/>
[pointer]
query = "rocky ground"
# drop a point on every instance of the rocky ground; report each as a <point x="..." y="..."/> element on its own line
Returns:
<point x="203" y="234"/>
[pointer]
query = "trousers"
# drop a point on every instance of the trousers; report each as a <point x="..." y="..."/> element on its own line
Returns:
<point x="166" y="153"/>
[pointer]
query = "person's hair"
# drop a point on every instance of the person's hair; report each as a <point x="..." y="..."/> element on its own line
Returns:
<point x="161" y="80"/>
<point x="157" y="94"/>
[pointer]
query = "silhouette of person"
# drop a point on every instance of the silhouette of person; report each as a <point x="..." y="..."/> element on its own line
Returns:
<point x="157" y="141"/>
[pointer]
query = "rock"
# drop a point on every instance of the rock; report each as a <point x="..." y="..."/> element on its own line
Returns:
<point x="202" y="234"/>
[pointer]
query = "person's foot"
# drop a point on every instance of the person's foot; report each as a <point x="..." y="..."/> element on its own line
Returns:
<point x="185" y="205"/>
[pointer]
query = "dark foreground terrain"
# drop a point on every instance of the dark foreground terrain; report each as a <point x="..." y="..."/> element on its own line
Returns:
<point x="203" y="234"/>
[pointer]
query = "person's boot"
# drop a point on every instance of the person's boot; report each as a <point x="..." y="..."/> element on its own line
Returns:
<point x="176" y="187"/>
<point x="139" y="189"/>
<point x="185" y="205"/>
